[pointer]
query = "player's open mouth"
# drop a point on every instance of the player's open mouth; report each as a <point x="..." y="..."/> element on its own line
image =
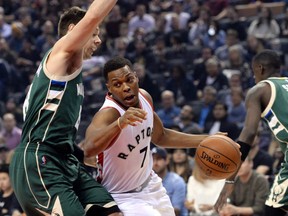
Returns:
<point x="129" y="98"/>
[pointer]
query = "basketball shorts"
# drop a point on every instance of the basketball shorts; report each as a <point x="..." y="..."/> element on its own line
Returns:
<point x="278" y="197"/>
<point x="151" y="200"/>
<point x="48" y="183"/>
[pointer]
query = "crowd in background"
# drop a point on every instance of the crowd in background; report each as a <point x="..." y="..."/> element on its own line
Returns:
<point x="192" y="56"/>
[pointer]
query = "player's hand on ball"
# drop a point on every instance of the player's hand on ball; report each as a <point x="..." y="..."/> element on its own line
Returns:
<point x="221" y="133"/>
<point x="131" y="117"/>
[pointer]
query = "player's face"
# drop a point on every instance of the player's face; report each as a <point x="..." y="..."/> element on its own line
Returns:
<point x="92" y="45"/>
<point x="123" y="86"/>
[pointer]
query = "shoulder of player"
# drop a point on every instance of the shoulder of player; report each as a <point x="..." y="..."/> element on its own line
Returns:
<point x="146" y="95"/>
<point x="259" y="89"/>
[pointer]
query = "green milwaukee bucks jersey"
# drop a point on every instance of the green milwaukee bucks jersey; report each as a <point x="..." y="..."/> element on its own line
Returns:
<point x="52" y="109"/>
<point x="276" y="113"/>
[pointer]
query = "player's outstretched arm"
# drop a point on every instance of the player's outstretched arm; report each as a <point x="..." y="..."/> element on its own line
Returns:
<point x="168" y="138"/>
<point x="67" y="51"/>
<point x="247" y="135"/>
<point x="84" y="29"/>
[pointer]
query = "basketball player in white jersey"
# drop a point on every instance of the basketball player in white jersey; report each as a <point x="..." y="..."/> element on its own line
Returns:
<point x="120" y="135"/>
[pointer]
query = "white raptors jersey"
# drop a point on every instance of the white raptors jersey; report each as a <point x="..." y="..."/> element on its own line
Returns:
<point x="127" y="163"/>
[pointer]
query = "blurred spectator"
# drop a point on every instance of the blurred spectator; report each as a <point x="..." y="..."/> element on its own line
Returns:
<point x="249" y="194"/>
<point x="262" y="160"/>
<point x="17" y="37"/>
<point x="9" y="204"/>
<point x="169" y="110"/>
<point x="186" y="121"/>
<point x="284" y="25"/>
<point x="254" y="45"/>
<point x="172" y="182"/>
<point x="146" y="82"/>
<point x="236" y="107"/>
<point x="214" y="77"/>
<point x="236" y="62"/>
<point x="118" y="47"/>
<point x="220" y="122"/>
<point x="229" y="19"/>
<point x="3" y="150"/>
<point x="113" y="23"/>
<point x="6" y="53"/>
<point x="155" y="7"/>
<point x="27" y="61"/>
<point x="158" y="31"/>
<point x="181" y="163"/>
<point x="265" y="26"/>
<point x="199" y="69"/>
<point x="224" y="95"/>
<point x="181" y="85"/>
<point x="5" y="28"/>
<point x="10" y="131"/>
<point x="215" y="37"/>
<point x="157" y="58"/>
<point x="202" y="194"/>
<point x="12" y="106"/>
<point x="47" y="31"/>
<point x="139" y="53"/>
<point x="192" y="7"/>
<point x="176" y="30"/>
<point x="206" y="105"/>
<point x="216" y="6"/>
<point x="231" y="39"/>
<point x="177" y="11"/>
<point x="141" y="19"/>
<point x="199" y="27"/>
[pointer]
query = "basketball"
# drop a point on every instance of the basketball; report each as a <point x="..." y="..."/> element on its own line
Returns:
<point x="218" y="157"/>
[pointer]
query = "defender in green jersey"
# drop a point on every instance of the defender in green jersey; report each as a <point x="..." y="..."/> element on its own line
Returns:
<point x="268" y="100"/>
<point x="46" y="176"/>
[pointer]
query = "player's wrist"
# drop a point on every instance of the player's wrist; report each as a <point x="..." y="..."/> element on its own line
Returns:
<point x="229" y="181"/>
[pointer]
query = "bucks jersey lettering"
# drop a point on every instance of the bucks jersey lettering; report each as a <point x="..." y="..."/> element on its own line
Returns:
<point x="275" y="114"/>
<point x="52" y="109"/>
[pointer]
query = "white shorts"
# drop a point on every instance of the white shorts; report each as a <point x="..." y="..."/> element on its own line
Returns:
<point x="151" y="201"/>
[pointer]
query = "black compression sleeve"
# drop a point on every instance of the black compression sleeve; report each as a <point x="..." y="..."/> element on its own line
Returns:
<point x="244" y="148"/>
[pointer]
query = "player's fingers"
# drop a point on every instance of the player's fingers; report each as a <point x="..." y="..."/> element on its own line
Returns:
<point x="138" y="112"/>
<point x="222" y="133"/>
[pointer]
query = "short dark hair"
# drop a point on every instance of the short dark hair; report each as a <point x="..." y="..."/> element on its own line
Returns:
<point x="4" y="168"/>
<point x="114" y="64"/>
<point x="270" y="59"/>
<point x="71" y="16"/>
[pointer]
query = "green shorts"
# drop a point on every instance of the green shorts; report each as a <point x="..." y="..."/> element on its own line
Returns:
<point x="278" y="197"/>
<point x="46" y="182"/>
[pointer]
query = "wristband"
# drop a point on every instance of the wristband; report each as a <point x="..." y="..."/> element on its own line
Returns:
<point x="78" y="153"/>
<point x="229" y="182"/>
<point x="118" y="122"/>
<point x="244" y="149"/>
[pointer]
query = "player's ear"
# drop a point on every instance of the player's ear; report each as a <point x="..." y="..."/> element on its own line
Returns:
<point x="261" y="67"/>
<point x="108" y="87"/>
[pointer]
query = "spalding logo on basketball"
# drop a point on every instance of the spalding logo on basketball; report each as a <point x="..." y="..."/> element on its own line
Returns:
<point x="218" y="157"/>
